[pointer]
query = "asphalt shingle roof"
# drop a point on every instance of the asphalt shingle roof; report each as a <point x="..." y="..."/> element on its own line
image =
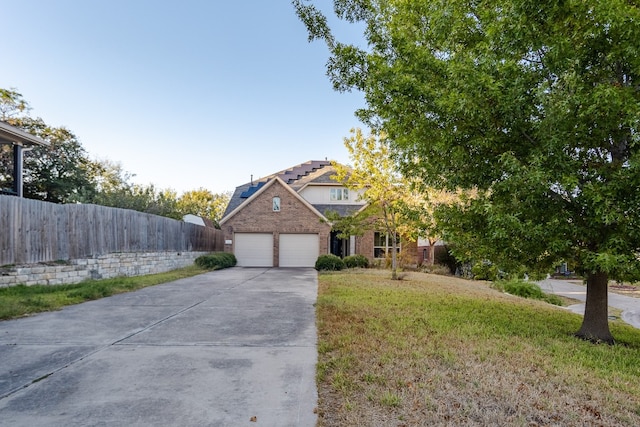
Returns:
<point x="294" y="176"/>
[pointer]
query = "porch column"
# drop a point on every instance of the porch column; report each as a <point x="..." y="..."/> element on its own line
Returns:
<point x="17" y="169"/>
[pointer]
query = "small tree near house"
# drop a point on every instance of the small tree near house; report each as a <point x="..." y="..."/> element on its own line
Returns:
<point x="375" y="176"/>
<point x="419" y="208"/>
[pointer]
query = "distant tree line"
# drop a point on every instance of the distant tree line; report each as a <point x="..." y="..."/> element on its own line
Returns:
<point x="64" y="172"/>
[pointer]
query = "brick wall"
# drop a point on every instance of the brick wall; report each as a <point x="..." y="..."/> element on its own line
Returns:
<point x="364" y="245"/>
<point x="99" y="267"/>
<point x="294" y="217"/>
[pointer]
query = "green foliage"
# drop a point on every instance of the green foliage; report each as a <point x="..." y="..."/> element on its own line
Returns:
<point x="350" y="225"/>
<point x="356" y="261"/>
<point x="526" y="289"/>
<point x="374" y="175"/>
<point x="446" y="258"/>
<point x="56" y="173"/>
<point x="485" y="270"/>
<point x="203" y="203"/>
<point x="12" y="104"/>
<point x="216" y="260"/>
<point x="534" y="106"/>
<point x="329" y="262"/>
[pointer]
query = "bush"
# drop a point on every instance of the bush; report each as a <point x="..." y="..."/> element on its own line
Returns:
<point x="527" y="290"/>
<point x="329" y="263"/>
<point x="443" y="256"/>
<point x="356" y="261"/>
<point x="484" y="270"/>
<point x="216" y="260"/>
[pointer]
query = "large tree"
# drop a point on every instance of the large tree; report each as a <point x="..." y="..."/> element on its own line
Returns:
<point x="534" y="104"/>
<point x="57" y="173"/>
<point x="203" y="203"/>
<point x="114" y="188"/>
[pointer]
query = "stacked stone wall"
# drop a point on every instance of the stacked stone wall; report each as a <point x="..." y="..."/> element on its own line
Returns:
<point x="99" y="267"/>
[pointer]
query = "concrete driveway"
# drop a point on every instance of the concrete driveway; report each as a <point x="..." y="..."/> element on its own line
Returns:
<point x="235" y="347"/>
<point x="629" y="306"/>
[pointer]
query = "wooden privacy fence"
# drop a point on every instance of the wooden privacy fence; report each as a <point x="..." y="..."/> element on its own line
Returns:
<point x="33" y="231"/>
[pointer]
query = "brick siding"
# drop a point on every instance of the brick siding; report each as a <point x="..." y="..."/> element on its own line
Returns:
<point x="294" y="217"/>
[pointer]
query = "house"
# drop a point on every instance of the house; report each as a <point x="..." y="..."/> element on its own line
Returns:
<point x="279" y="220"/>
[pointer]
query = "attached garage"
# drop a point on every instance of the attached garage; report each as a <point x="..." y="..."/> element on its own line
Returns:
<point x="299" y="250"/>
<point x="254" y="249"/>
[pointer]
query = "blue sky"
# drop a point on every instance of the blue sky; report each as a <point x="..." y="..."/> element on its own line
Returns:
<point x="183" y="94"/>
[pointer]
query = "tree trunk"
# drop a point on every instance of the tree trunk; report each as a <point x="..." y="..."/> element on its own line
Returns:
<point x="595" y="324"/>
<point x="394" y="259"/>
<point x="432" y="251"/>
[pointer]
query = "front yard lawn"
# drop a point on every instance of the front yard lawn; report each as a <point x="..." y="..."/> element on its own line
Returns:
<point x="441" y="351"/>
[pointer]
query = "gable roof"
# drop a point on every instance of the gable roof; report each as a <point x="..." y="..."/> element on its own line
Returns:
<point x="288" y="176"/>
<point x="294" y="179"/>
<point x="262" y="189"/>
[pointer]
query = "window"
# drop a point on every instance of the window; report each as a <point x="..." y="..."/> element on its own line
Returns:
<point x="382" y="244"/>
<point x="339" y="194"/>
<point x="276" y="204"/>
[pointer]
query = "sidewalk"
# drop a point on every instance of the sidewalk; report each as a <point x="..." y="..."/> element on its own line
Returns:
<point x="234" y="347"/>
<point x="630" y="306"/>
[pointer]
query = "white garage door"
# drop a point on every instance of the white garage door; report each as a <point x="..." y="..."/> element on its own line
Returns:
<point x="254" y="249"/>
<point x="299" y="250"/>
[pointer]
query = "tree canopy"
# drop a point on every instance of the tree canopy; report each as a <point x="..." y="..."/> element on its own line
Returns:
<point x="535" y="105"/>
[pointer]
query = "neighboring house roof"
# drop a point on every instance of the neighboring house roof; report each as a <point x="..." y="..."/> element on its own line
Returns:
<point x="198" y="220"/>
<point x="14" y="135"/>
<point x="296" y="178"/>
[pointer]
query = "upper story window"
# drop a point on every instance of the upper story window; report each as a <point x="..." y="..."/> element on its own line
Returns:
<point x="339" y="194"/>
<point x="276" y="204"/>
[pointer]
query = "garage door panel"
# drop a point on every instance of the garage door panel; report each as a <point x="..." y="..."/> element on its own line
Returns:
<point x="298" y="250"/>
<point x="254" y="249"/>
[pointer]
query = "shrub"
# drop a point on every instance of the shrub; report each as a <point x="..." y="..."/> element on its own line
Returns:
<point x="527" y="290"/>
<point x="355" y="261"/>
<point x="443" y="256"/>
<point x="329" y="263"/>
<point x="553" y="299"/>
<point x="216" y="260"/>
<point x="484" y="270"/>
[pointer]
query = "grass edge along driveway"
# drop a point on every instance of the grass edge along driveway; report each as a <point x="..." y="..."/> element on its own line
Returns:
<point x="19" y="301"/>
<point x="434" y="350"/>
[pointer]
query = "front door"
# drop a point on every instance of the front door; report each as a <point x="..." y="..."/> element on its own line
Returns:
<point x="339" y="247"/>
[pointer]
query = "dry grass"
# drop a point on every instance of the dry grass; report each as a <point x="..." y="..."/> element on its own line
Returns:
<point x="440" y="351"/>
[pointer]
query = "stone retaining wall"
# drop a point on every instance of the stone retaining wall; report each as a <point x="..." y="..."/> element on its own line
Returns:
<point x="99" y="267"/>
